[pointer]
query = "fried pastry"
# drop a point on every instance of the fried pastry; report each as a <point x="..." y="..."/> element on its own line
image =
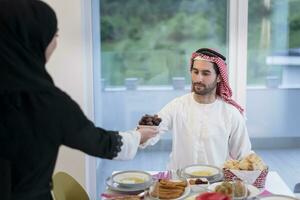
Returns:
<point x="165" y="189"/>
<point x="250" y="162"/>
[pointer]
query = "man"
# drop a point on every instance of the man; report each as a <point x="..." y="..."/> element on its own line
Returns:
<point x="208" y="126"/>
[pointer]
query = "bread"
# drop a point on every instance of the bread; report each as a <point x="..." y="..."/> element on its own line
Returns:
<point x="250" y="162"/>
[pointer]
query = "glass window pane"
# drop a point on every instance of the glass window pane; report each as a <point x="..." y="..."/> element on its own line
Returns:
<point x="273" y="68"/>
<point x="152" y="40"/>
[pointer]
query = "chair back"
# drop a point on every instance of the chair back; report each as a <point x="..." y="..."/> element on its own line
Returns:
<point x="297" y="188"/>
<point x="65" y="187"/>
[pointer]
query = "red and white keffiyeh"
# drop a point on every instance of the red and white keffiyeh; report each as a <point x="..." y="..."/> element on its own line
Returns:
<point x="223" y="88"/>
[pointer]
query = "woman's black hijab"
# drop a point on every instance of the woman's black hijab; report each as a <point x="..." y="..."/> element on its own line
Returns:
<point x="26" y="29"/>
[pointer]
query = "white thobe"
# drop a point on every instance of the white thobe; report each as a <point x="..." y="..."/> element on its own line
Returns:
<point x="203" y="133"/>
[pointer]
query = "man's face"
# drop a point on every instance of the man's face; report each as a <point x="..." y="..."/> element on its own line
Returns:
<point x="204" y="78"/>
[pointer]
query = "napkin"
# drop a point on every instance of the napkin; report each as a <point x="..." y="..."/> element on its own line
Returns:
<point x="162" y="175"/>
<point x="265" y="193"/>
<point x="247" y="176"/>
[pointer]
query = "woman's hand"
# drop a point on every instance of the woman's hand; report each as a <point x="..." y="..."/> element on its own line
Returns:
<point x="147" y="132"/>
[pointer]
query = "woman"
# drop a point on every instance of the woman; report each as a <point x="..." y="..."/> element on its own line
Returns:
<point x="35" y="116"/>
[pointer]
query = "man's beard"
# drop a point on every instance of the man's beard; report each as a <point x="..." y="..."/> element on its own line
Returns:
<point x="201" y="89"/>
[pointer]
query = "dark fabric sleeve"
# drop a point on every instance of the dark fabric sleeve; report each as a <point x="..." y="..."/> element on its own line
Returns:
<point x="80" y="133"/>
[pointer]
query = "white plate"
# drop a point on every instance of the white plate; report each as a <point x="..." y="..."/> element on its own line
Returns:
<point x="116" y="187"/>
<point x="193" y="197"/>
<point x="201" y="171"/>
<point x="184" y="195"/>
<point x="254" y="191"/>
<point x="131" y="178"/>
<point x="278" y="197"/>
<point x="198" y="187"/>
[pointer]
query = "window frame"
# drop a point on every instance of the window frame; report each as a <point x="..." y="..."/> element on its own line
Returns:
<point x="238" y="40"/>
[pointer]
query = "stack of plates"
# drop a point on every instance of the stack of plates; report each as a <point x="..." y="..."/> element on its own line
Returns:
<point x="129" y="181"/>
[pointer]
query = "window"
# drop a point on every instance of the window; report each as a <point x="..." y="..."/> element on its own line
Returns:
<point x="273" y="68"/>
<point x="144" y="63"/>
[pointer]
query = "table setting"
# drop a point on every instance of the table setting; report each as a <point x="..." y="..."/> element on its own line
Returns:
<point x="197" y="182"/>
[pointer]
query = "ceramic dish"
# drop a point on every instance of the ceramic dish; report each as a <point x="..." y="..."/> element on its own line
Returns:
<point x="201" y="171"/>
<point x="116" y="187"/>
<point x="198" y="187"/>
<point x="278" y="197"/>
<point x="213" y="179"/>
<point x="253" y="191"/>
<point x="132" y="179"/>
<point x="183" y="196"/>
<point x="192" y="197"/>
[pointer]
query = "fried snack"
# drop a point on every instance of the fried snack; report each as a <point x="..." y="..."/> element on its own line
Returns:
<point x="165" y="189"/>
<point x="226" y="188"/>
<point x="245" y="164"/>
<point x="174" y="183"/>
<point x="257" y="162"/>
<point x="239" y="189"/>
<point x="232" y="164"/>
<point x="166" y="193"/>
<point x="250" y="162"/>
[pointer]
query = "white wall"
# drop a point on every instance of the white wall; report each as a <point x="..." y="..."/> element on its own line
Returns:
<point x="68" y="66"/>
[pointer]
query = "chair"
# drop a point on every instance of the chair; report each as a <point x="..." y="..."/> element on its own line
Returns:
<point x="297" y="188"/>
<point x="65" y="187"/>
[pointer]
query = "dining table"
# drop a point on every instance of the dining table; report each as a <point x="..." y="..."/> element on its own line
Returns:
<point x="274" y="185"/>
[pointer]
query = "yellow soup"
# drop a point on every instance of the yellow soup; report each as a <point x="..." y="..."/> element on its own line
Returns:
<point x="202" y="173"/>
<point x="132" y="180"/>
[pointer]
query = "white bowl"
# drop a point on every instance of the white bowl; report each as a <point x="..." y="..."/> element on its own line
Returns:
<point x="132" y="178"/>
<point x="201" y="171"/>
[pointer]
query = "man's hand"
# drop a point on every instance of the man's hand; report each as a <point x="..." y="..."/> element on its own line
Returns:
<point x="147" y="132"/>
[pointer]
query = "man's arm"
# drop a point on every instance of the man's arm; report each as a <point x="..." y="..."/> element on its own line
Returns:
<point x="239" y="141"/>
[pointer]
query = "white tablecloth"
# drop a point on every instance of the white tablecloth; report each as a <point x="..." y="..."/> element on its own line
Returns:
<point x="276" y="185"/>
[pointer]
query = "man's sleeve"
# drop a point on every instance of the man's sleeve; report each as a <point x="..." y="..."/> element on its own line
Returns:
<point x="239" y="141"/>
